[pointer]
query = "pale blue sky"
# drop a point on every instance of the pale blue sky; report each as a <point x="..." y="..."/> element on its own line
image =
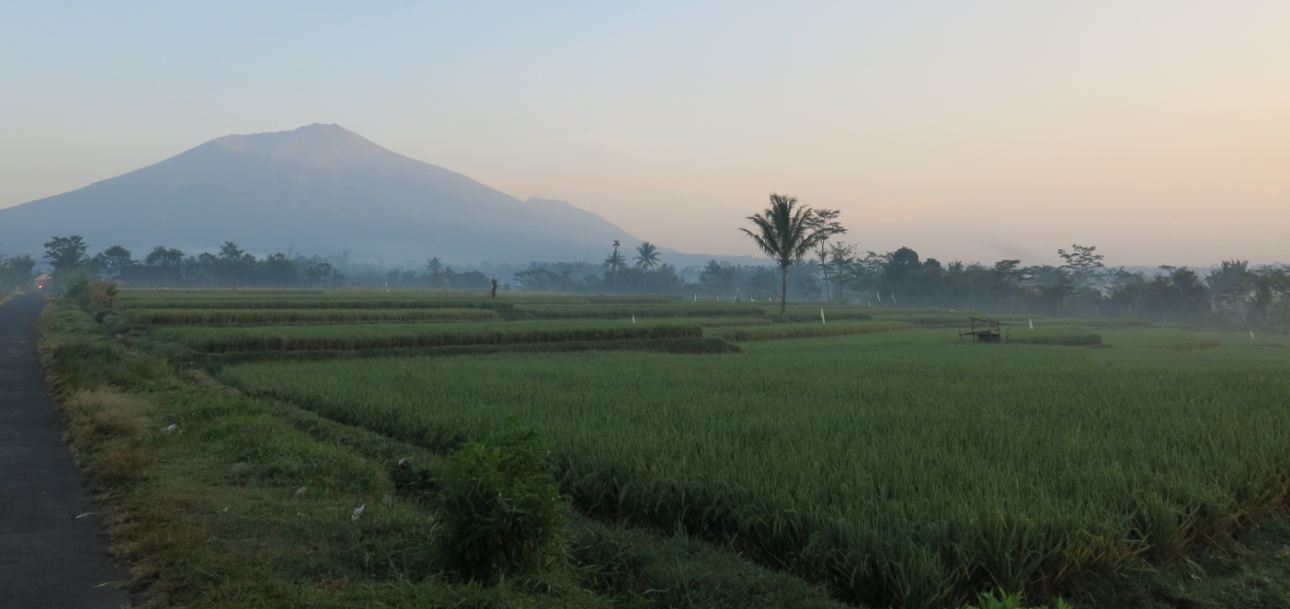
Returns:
<point x="1159" y="130"/>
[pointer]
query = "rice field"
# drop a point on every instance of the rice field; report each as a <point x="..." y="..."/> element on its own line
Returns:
<point x="878" y="456"/>
<point x="249" y="317"/>
<point x="805" y="330"/>
<point x="394" y="336"/>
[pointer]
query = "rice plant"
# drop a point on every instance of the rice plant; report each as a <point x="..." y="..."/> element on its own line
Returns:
<point x="896" y="468"/>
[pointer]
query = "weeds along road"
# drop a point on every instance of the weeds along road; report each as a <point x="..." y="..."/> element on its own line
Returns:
<point x="52" y="550"/>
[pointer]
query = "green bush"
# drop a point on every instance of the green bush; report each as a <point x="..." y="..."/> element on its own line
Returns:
<point x="501" y="507"/>
<point x="101" y="295"/>
<point x="90" y="295"/>
<point x="76" y="286"/>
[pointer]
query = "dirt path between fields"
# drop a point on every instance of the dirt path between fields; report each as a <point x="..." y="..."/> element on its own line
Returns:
<point x="52" y="550"/>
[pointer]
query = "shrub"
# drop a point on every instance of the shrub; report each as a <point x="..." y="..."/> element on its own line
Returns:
<point x="101" y="295"/>
<point x="76" y="286"/>
<point x="117" y="465"/>
<point x="501" y="508"/>
<point x="95" y="295"/>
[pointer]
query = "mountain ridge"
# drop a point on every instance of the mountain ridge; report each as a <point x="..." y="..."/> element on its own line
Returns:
<point x="318" y="188"/>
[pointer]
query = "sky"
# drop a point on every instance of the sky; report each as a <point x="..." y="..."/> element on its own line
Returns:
<point x="1158" y="131"/>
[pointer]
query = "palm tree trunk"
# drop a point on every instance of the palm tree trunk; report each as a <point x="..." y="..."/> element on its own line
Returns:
<point x="783" y="290"/>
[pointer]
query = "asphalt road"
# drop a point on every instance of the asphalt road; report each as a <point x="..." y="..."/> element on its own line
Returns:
<point x="52" y="549"/>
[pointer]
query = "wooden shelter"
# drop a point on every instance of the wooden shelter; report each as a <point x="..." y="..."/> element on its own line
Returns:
<point x="984" y="331"/>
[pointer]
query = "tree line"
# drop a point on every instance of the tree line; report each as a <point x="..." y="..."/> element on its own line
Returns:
<point x="791" y="234"/>
<point x="810" y="263"/>
<point x="230" y="266"/>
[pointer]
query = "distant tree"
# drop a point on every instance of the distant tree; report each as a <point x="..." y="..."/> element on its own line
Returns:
<point x="785" y="233"/>
<point x="164" y="257"/>
<point x="319" y="273"/>
<point x="113" y="261"/>
<point x="278" y="270"/>
<point x="1083" y="262"/>
<point x="204" y="267"/>
<point x="230" y="251"/>
<point x="1187" y="297"/>
<point x="1051" y="287"/>
<point x="163" y="266"/>
<point x="541" y="279"/>
<point x="1270" y="288"/>
<point x="1230" y="283"/>
<point x="1128" y="291"/>
<point x="825" y="222"/>
<point x="718" y="277"/>
<point x="615" y="264"/>
<point x="647" y="256"/>
<point x="1006" y="275"/>
<point x="899" y="281"/>
<point x="66" y="254"/>
<point x="233" y="265"/>
<point x="662" y="279"/>
<point x="434" y="273"/>
<point x="469" y="280"/>
<point x="855" y="273"/>
<point x="762" y="282"/>
<point x="16" y="272"/>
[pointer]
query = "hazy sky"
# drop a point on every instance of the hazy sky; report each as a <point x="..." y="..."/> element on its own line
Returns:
<point x="980" y="130"/>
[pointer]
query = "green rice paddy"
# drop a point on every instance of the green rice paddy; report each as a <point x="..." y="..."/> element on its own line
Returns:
<point x="879" y="456"/>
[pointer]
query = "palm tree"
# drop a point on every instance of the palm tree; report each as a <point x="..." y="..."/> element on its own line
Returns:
<point x="615" y="262"/>
<point x="786" y="232"/>
<point x="646" y="256"/>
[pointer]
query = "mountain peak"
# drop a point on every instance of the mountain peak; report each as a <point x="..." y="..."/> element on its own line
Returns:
<point x="312" y="131"/>
<point x="313" y="144"/>
<point x="323" y="129"/>
<point x="317" y="188"/>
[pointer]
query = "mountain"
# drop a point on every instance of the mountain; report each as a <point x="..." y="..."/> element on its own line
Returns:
<point x="317" y="189"/>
